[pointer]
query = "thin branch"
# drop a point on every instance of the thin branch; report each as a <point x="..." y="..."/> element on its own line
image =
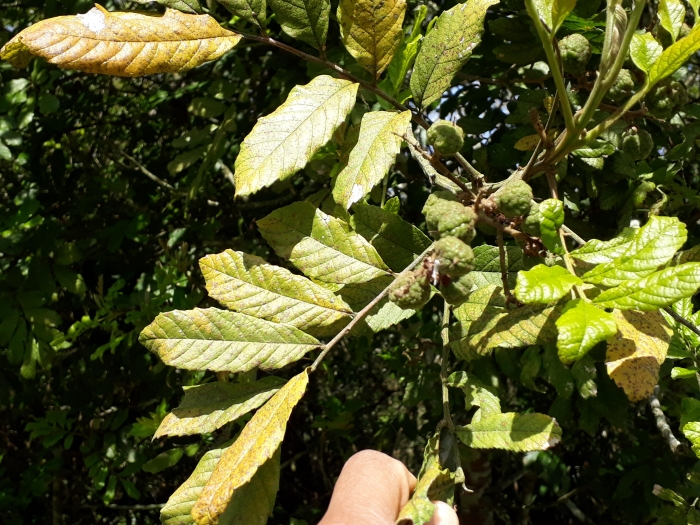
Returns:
<point x="148" y="173"/>
<point x="365" y="311"/>
<point x="154" y="506"/>
<point x="444" y="358"/>
<point x="227" y="173"/>
<point x="504" y="266"/>
<point x="682" y="320"/>
<point x="661" y="423"/>
<point x="571" y="233"/>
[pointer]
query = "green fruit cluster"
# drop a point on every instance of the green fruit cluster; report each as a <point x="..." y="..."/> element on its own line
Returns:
<point x="575" y="54"/>
<point x="622" y="87"/>
<point x="638" y="144"/>
<point x="410" y="290"/>
<point x="445" y="217"/>
<point x="456" y="291"/>
<point x="447" y="138"/>
<point x="453" y="257"/>
<point x="514" y="199"/>
<point x="531" y="224"/>
<point x="666" y="99"/>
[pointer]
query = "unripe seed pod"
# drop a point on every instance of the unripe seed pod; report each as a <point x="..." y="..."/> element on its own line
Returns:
<point x="458" y="221"/>
<point x="623" y="86"/>
<point x="447" y="138"/>
<point x="531" y="224"/>
<point x="514" y="199"/>
<point x="575" y="54"/>
<point x="666" y="99"/>
<point x="410" y="290"/>
<point x="456" y="291"/>
<point x="453" y="257"/>
<point x="432" y="210"/>
<point x="638" y="144"/>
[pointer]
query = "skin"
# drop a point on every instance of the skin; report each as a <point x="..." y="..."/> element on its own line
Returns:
<point x="372" y="489"/>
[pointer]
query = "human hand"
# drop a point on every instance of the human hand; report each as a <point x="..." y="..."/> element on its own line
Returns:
<point x="372" y="489"/>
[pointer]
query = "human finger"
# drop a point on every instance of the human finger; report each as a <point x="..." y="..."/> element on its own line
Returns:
<point x="444" y="514"/>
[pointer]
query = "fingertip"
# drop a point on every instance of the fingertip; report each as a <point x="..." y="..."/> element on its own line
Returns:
<point x="444" y="515"/>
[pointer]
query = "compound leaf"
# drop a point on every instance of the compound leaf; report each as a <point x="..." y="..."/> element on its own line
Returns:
<point x="635" y="355"/>
<point x="645" y="51"/>
<point x="373" y="155"/>
<point x="283" y="142"/>
<point x="210" y="406"/>
<point x="255" y="445"/>
<point x="511" y="431"/>
<point x="446" y="49"/>
<point x="321" y="246"/>
<point x="544" y="284"/>
<point x="581" y="327"/>
<point x="306" y="20"/>
<point x="211" y="339"/>
<point x="123" y="44"/>
<point x="371" y="31"/>
<point x="250" y="285"/>
<point x="675" y="56"/>
<point x="253" y="11"/>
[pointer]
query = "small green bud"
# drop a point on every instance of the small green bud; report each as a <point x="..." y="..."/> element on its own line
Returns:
<point x="453" y="257"/>
<point x="456" y="291"/>
<point x="457" y="221"/>
<point x="447" y="138"/>
<point x="666" y="99"/>
<point x="531" y="224"/>
<point x="575" y="53"/>
<point x="410" y="290"/>
<point x="623" y="86"/>
<point x="638" y="144"/>
<point x="514" y="199"/>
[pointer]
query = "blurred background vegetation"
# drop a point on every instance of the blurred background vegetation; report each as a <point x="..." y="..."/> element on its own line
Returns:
<point x="112" y="189"/>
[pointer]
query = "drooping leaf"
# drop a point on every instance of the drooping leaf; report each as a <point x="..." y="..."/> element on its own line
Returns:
<point x="255" y="445"/>
<point x="248" y="284"/>
<point x="251" y="505"/>
<point x="125" y="44"/>
<point x="208" y="407"/>
<point x="419" y="509"/>
<point x="321" y="246"/>
<point x="544" y="284"/>
<point x="283" y="142"/>
<point x="551" y="219"/>
<point x="600" y="252"/>
<point x="164" y="460"/>
<point x="476" y="394"/>
<point x="371" y="31"/>
<point x="557" y="374"/>
<point x="211" y="339"/>
<point x="487" y="265"/>
<point x="306" y="20"/>
<point x="658" y="290"/>
<point x="637" y="352"/>
<point x="446" y="49"/>
<point x="406" y="54"/>
<point x="675" y="56"/>
<point x="253" y="11"/>
<point x="373" y="155"/>
<point x="645" y="51"/>
<point x="653" y="246"/>
<point x="671" y="14"/>
<point x="398" y="242"/>
<point x="581" y="327"/>
<point x="514" y="432"/>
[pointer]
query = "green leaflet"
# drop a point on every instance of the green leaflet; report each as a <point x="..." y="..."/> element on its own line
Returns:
<point x="581" y="327"/>
<point x="250" y="285"/>
<point x="252" y="11"/>
<point x="380" y="139"/>
<point x="599" y="252"/>
<point x="251" y="505"/>
<point x="405" y="55"/>
<point x="489" y="297"/>
<point x="692" y="433"/>
<point x="321" y="246"/>
<point x="446" y="49"/>
<point x="584" y="373"/>
<point x="186" y="6"/>
<point x="419" y="509"/>
<point x="554" y="12"/>
<point x="654" y="245"/>
<point x="514" y="432"/>
<point x="544" y="284"/>
<point x="645" y="51"/>
<point x="660" y="289"/>
<point x="306" y="20"/>
<point x="476" y="394"/>
<point x="671" y="14"/>
<point x="551" y="219"/>
<point x="558" y="375"/>
<point x="695" y="4"/>
<point x="211" y="339"/>
<point x="371" y="31"/>
<point x="487" y="265"/>
<point x="208" y="407"/>
<point x="283" y="142"/>
<point x="530" y="364"/>
<point x="397" y="242"/>
<point x="594" y="150"/>
<point x="675" y="56"/>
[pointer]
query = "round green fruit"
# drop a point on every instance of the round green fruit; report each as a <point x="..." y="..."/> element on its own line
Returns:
<point x="575" y="54"/>
<point x="514" y="199"/>
<point x="638" y="144"/>
<point x="456" y="291"/>
<point x="622" y="87"/>
<point x="447" y="138"/>
<point x="459" y="221"/>
<point x="410" y="291"/>
<point x="453" y="257"/>
<point x="666" y="99"/>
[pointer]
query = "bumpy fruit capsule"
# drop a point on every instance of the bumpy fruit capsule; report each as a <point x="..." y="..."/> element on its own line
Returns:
<point x="531" y="224"/>
<point x="666" y="98"/>
<point x="453" y="257"/>
<point x="514" y="199"/>
<point x="638" y="144"/>
<point x="434" y="206"/>
<point x="410" y="290"/>
<point x="457" y="291"/>
<point x="447" y="138"/>
<point x="457" y="221"/>
<point x="623" y="86"/>
<point x="575" y="54"/>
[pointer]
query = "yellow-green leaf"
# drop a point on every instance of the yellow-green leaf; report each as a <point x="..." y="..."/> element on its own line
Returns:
<point x="256" y="444"/>
<point x="321" y="246"/>
<point x="125" y="44"/>
<point x="635" y="355"/>
<point x="210" y="406"/>
<point x="671" y="14"/>
<point x="599" y="252"/>
<point x="645" y="51"/>
<point x="248" y="284"/>
<point x="283" y="142"/>
<point x="211" y="339"/>
<point x="419" y="509"/>
<point x="514" y="432"/>
<point x="373" y="155"/>
<point x="371" y="31"/>
<point x="675" y="56"/>
<point x="554" y="12"/>
<point x="543" y="284"/>
<point x="306" y="20"/>
<point x="581" y="327"/>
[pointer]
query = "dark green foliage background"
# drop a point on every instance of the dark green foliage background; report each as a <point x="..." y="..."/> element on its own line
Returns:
<point x="75" y="433"/>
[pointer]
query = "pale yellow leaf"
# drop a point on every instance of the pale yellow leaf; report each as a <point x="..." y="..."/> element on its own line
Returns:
<point x="127" y="44"/>
<point x="371" y="31"/>
<point x="636" y="353"/>
<point x="256" y="444"/>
